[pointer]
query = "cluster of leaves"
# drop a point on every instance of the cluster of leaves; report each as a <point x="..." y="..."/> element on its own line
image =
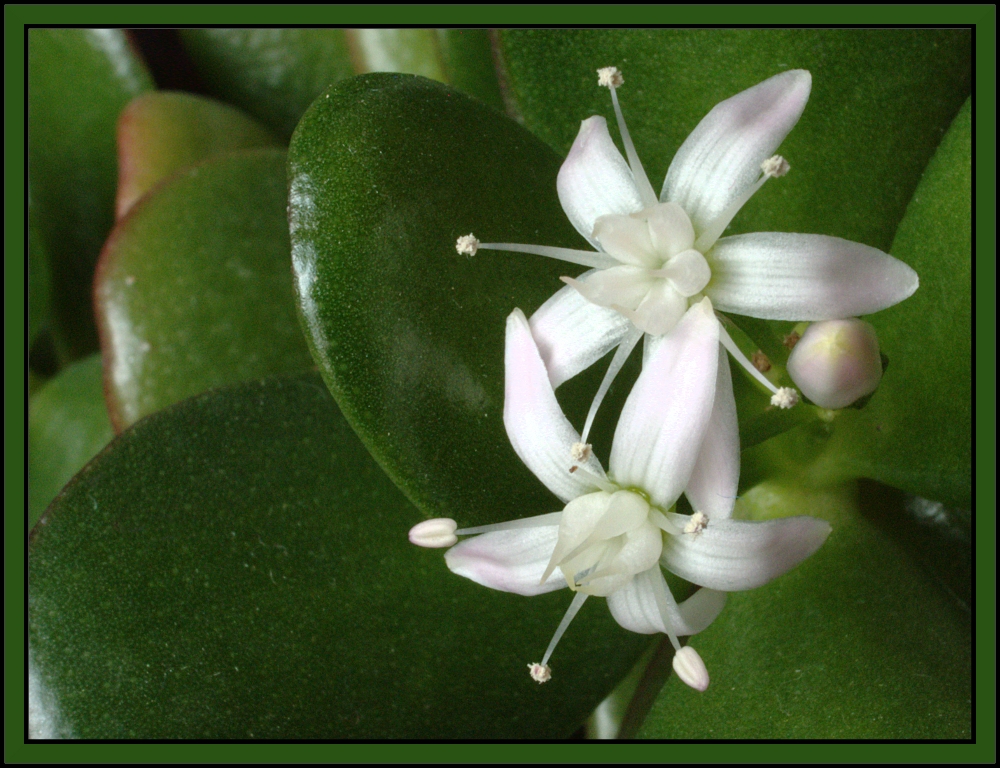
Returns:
<point x="233" y="562"/>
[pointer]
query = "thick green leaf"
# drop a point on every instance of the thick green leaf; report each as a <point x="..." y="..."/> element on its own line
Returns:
<point x="855" y="643"/>
<point x="160" y="133"/>
<point x="194" y="289"/>
<point x="79" y="80"/>
<point x="39" y="279"/>
<point x="238" y="567"/>
<point x="881" y="100"/>
<point x="67" y="425"/>
<point x="916" y="431"/>
<point x="274" y="74"/>
<point x="386" y="172"/>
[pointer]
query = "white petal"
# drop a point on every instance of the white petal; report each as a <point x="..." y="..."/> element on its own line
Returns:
<point x="716" y="475"/>
<point x="539" y="432"/>
<point x="732" y="555"/>
<point x="511" y="561"/>
<point x="660" y="311"/>
<point x="640" y="551"/>
<point x="634" y="607"/>
<point x="573" y="333"/>
<point x="786" y="276"/>
<point x="664" y="419"/>
<point x="595" y="180"/>
<point x="722" y="156"/>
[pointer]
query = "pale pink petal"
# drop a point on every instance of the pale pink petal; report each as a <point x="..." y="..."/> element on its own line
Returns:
<point x="511" y="561"/>
<point x="635" y="608"/>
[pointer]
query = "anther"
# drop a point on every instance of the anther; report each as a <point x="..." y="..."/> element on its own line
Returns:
<point x="775" y="166"/>
<point x="791" y="340"/>
<point x="540" y="673"/>
<point x="609" y="77"/>
<point x="785" y="397"/>
<point x="760" y="361"/>
<point x="697" y="523"/>
<point x="467" y="245"/>
<point x="581" y="452"/>
<point x="434" y="534"/>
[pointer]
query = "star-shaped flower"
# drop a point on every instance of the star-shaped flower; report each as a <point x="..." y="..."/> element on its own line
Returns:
<point x="655" y="257"/>
<point x="677" y="434"/>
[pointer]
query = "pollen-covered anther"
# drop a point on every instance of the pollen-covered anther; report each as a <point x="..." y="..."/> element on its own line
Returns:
<point x="785" y="397"/>
<point x="609" y="77"/>
<point x="690" y="668"/>
<point x="467" y="245"/>
<point x="435" y="533"/>
<point x="697" y="523"/>
<point x="581" y="452"/>
<point x="775" y="166"/>
<point x="540" y="673"/>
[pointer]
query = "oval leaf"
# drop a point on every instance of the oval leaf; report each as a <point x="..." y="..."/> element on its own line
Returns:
<point x="79" y="81"/>
<point x="162" y="132"/>
<point x="238" y="567"/>
<point x="194" y="286"/>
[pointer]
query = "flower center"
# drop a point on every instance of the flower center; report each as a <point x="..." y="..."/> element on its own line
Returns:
<point x="659" y="270"/>
<point x="604" y="540"/>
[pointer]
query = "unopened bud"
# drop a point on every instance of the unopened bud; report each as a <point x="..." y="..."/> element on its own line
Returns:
<point x="836" y="362"/>
<point x="690" y="668"/>
<point x="434" y="534"/>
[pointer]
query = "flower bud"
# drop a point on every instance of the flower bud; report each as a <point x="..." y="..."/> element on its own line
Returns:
<point x="836" y="362"/>
<point x="435" y="533"/>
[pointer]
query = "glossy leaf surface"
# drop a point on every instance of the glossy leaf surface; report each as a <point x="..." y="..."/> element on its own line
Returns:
<point x="79" y="80"/>
<point x="194" y="287"/>
<point x="39" y="279"/>
<point x="237" y="566"/>
<point x="386" y="172"/>
<point x="916" y="431"/>
<point x="274" y="74"/>
<point x="67" y="425"/>
<point x="160" y="133"/>
<point x="857" y="642"/>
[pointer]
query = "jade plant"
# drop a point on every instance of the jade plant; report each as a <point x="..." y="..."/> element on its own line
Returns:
<point x="269" y="354"/>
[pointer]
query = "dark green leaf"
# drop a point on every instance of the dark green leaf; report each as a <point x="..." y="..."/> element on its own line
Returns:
<point x="881" y="100"/>
<point x="386" y="172"/>
<point x="194" y="287"/>
<point x="161" y="132"/>
<point x="39" y="279"/>
<point x="79" y="80"/>
<point x="67" y="425"/>
<point x="238" y="567"/>
<point x="855" y="643"/>
<point x="916" y="431"/>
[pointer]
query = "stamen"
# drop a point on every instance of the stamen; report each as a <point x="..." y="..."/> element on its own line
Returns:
<point x="598" y="482"/>
<point x="690" y="668"/>
<point x="581" y="452"/>
<point x="785" y="397"/>
<point x="610" y="77"/>
<point x="775" y="165"/>
<point x="665" y="602"/>
<point x="697" y="523"/>
<point x="760" y="361"/>
<point x="661" y="521"/>
<point x="537" y="521"/>
<point x="467" y="245"/>
<point x="571" y="612"/>
<point x="624" y="350"/>
<point x="539" y="673"/>
<point x="573" y="256"/>
<point x="434" y="534"/>
<point x="735" y="351"/>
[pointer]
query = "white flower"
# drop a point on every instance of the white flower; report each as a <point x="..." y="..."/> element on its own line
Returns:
<point x="677" y="434"/>
<point x="655" y="257"/>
